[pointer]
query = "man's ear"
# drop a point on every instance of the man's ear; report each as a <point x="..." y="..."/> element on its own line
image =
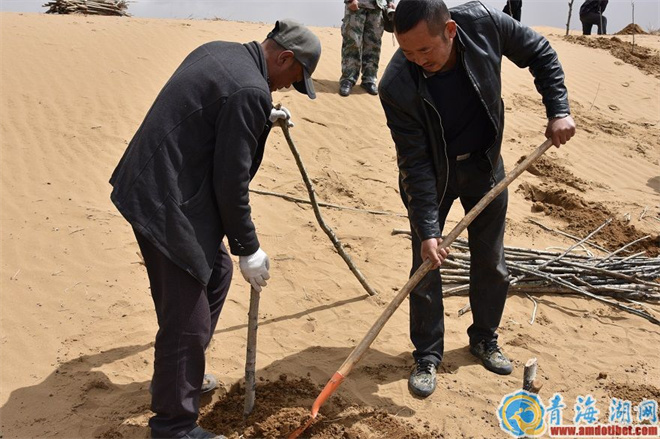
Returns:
<point x="450" y="29"/>
<point x="284" y="56"/>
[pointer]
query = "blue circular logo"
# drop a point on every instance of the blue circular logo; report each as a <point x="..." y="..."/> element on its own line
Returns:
<point x="522" y="414"/>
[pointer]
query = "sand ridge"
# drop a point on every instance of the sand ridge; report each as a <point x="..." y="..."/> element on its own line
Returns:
<point x="77" y="321"/>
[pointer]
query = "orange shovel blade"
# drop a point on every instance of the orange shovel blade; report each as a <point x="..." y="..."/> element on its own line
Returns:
<point x="328" y="390"/>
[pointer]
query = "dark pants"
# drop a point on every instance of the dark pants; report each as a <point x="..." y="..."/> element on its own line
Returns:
<point x="469" y="180"/>
<point x="187" y="314"/>
<point x="591" y="18"/>
<point x="513" y="8"/>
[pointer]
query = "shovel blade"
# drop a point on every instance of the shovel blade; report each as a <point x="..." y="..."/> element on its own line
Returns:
<point x="328" y="390"/>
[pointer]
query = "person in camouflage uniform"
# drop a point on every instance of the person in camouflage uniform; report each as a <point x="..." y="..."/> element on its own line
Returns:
<point x="361" y="31"/>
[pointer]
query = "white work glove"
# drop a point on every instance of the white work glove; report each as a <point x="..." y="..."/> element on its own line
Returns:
<point x="255" y="269"/>
<point x="281" y="113"/>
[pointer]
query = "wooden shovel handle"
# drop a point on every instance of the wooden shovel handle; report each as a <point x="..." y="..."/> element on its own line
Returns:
<point x="251" y="355"/>
<point x="364" y="344"/>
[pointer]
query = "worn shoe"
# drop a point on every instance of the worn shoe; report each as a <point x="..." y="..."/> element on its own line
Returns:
<point x="209" y="383"/>
<point x="422" y="380"/>
<point x="199" y="433"/>
<point x="345" y="87"/>
<point x="492" y="357"/>
<point x="370" y="87"/>
<point x="196" y="433"/>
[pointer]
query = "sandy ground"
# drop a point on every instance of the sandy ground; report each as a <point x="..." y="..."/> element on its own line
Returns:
<point x="77" y="323"/>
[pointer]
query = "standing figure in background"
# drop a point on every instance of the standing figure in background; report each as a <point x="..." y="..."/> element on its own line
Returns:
<point x="513" y="8"/>
<point x="361" y="31"/>
<point x="591" y="12"/>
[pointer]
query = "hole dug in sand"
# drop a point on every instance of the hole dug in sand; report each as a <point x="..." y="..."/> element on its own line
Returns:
<point x="583" y="217"/>
<point x="544" y="167"/>
<point x="282" y="406"/>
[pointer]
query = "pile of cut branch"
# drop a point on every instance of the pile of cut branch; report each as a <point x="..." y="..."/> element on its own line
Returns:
<point x="622" y="282"/>
<point x="88" y="7"/>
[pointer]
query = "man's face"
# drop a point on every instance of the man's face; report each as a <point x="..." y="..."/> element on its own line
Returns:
<point x="288" y="71"/>
<point x="431" y="52"/>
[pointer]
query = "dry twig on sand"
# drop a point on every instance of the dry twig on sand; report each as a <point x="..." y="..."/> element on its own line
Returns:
<point x="323" y="204"/>
<point x="317" y="212"/>
<point x="616" y="281"/>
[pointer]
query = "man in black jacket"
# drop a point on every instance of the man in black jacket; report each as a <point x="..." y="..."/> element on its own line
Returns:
<point x="441" y="93"/>
<point x="182" y="184"/>
<point x="591" y="12"/>
<point x="513" y="8"/>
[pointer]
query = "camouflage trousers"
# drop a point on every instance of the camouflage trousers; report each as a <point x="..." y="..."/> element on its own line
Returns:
<point x="361" y="33"/>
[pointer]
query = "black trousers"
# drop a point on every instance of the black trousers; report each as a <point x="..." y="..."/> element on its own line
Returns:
<point x="469" y="180"/>
<point x="513" y="8"/>
<point x="187" y="314"/>
<point x="591" y="18"/>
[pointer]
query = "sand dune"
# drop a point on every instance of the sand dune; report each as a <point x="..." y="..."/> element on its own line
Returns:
<point x="76" y="315"/>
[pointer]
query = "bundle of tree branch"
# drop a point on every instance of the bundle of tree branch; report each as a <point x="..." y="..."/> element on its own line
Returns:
<point x="88" y="7"/>
<point x="622" y="282"/>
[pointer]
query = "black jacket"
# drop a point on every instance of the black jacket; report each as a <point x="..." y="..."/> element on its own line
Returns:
<point x="183" y="180"/>
<point x="484" y="36"/>
<point x="595" y="6"/>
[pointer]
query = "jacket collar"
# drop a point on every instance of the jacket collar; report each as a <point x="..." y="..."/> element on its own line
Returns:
<point x="257" y="53"/>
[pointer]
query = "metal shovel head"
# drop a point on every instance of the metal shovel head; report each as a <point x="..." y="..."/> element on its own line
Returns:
<point x="328" y="390"/>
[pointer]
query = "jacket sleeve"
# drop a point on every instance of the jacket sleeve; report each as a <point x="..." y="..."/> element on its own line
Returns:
<point x="603" y="5"/>
<point x="416" y="170"/>
<point x="527" y="48"/>
<point x="240" y="123"/>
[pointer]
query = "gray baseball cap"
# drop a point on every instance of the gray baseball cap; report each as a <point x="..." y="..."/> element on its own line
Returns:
<point x="306" y="48"/>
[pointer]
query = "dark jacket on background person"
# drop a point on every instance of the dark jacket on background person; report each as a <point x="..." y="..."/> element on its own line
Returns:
<point x="484" y="35"/>
<point x="596" y="6"/>
<point x="183" y="180"/>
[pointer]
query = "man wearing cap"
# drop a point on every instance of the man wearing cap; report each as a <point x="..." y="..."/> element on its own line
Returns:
<point x="182" y="184"/>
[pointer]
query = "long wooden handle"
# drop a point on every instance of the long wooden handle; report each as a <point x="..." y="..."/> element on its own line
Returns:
<point x="251" y="356"/>
<point x="368" y="339"/>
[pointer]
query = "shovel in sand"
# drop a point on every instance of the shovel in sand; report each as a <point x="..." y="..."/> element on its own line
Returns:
<point x="364" y="344"/>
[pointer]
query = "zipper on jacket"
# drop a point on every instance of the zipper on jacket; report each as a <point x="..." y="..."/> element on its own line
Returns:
<point x="490" y="116"/>
<point x="476" y="88"/>
<point x="444" y="142"/>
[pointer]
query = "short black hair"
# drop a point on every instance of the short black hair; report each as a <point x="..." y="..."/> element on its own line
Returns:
<point x="410" y="12"/>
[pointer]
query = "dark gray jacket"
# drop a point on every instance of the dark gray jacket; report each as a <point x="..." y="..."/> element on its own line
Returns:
<point x="484" y="36"/>
<point x="593" y="6"/>
<point x="183" y="180"/>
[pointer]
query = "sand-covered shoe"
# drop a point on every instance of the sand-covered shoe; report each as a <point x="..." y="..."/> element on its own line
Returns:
<point x="492" y="357"/>
<point x="199" y="433"/>
<point x="422" y="379"/>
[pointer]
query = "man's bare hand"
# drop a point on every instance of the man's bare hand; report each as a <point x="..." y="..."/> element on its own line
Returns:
<point x="560" y="130"/>
<point x="353" y="5"/>
<point x="431" y="250"/>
